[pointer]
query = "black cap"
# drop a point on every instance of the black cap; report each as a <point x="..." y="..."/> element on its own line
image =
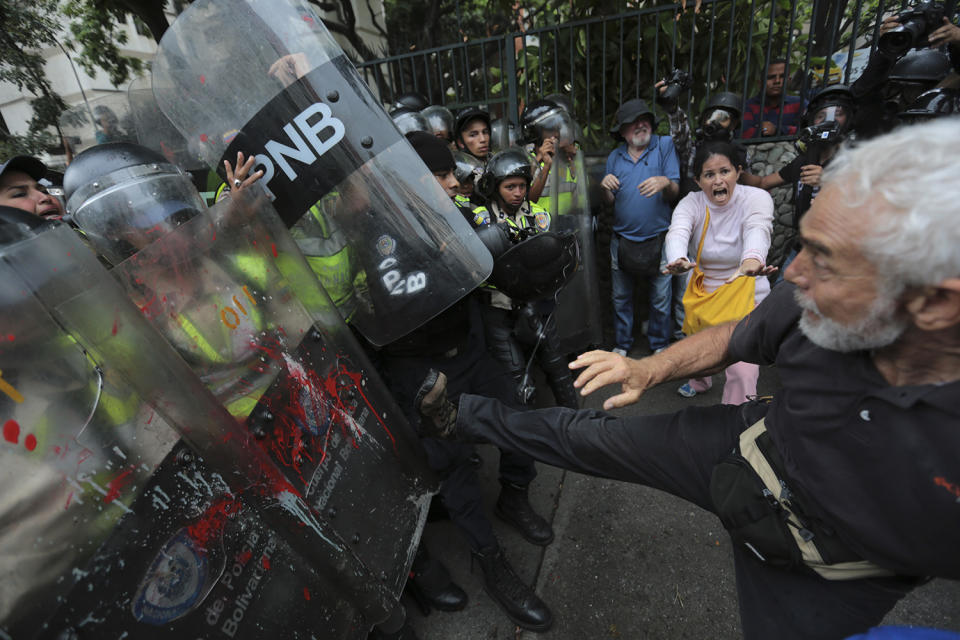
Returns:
<point x="28" y="164"/>
<point x="432" y="150"/>
<point x="630" y="111"/>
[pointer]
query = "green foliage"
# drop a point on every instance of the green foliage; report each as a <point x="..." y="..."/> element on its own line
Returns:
<point x="95" y="30"/>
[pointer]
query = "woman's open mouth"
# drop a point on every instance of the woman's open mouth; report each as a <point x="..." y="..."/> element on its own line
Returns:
<point x="720" y="193"/>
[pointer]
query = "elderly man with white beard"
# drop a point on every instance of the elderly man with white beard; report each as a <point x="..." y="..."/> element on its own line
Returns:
<point x="841" y="493"/>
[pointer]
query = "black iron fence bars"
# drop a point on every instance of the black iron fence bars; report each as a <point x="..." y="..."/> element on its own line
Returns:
<point x="600" y="62"/>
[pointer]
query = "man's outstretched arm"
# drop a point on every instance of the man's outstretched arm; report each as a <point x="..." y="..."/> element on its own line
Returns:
<point x="700" y="354"/>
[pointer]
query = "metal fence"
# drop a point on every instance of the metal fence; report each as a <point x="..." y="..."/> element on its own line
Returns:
<point x="600" y="62"/>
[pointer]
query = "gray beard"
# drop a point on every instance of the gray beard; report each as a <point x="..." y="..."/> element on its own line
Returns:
<point x="879" y="327"/>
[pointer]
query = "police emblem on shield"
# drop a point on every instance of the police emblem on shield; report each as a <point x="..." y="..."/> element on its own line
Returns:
<point x="174" y="582"/>
<point x="386" y="245"/>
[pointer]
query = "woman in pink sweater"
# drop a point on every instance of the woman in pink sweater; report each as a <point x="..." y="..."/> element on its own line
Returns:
<point x="735" y="245"/>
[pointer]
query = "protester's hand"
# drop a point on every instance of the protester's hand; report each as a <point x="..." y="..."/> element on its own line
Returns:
<point x="768" y="128"/>
<point x="241" y="178"/>
<point x="679" y="266"/>
<point x="610" y="182"/>
<point x="890" y="22"/>
<point x="949" y="33"/>
<point x="601" y="368"/>
<point x="546" y="151"/>
<point x="810" y="174"/>
<point x="289" y="68"/>
<point x="752" y="267"/>
<point x="653" y="185"/>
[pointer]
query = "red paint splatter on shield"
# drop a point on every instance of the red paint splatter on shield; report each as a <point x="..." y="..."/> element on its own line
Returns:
<point x="11" y="431"/>
<point x="306" y="594"/>
<point x="118" y="483"/>
<point x="273" y="247"/>
<point x="265" y="561"/>
<point x="30" y="442"/>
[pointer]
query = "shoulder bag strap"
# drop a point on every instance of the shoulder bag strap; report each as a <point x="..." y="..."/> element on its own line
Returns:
<point x="703" y="235"/>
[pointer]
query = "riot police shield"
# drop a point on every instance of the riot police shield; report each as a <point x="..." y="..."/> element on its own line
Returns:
<point x="155" y="131"/>
<point x="105" y="119"/>
<point x="230" y="290"/>
<point x="114" y="526"/>
<point x="578" y="303"/>
<point x="321" y="137"/>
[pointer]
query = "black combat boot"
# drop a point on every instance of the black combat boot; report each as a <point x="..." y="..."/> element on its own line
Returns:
<point x="439" y="414"/>
<point x="431" y="586"/>
<point x="513" y="507"/>
<point x="517" y="600"/>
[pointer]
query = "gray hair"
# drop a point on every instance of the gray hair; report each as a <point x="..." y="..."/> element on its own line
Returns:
<point x="908" y="181"/>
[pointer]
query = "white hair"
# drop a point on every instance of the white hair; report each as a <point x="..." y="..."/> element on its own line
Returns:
<point x="908" y="184"/>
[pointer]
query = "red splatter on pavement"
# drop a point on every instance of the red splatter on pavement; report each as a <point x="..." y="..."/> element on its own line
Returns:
<point x="118" y="483"/>
<point x="30" y="442"/>
<point x="265" y="561"/>
<point x="11" y="431"/>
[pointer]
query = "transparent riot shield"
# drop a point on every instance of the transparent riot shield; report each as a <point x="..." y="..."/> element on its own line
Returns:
<point x="104" y="119"/>
<point x="321" y="138"/>
<point x="578" y="303"/>
<point x="230" y="290"/>
<point x="133" y="504"/>
<point x="155" y="131"/>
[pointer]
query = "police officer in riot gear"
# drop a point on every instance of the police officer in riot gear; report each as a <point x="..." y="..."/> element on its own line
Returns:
<point x="515" y="329"/>
<point x="451" y="340"/>
<point x="408" y="120"/>
<point x="440" y="121"/>
<point x="472" y="132"/>
<point x="411" y="100"/>
<point x="467" y="171"/>
<point x="549" y="128"/>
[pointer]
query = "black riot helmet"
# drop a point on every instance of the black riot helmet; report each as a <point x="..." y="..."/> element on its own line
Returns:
<point x="440" y="121"/>
<point x="408" y="120"/>
<point x="509" y="163"/>
<point x="834" y="95"/>
<point x="720" y="117"/>
<point x="562" y="101"/>
<point x="410" y="100"/>
<point x="123" y="196"/>
<point x="928" y="66"/>
<point x="464" y="116"/>
<point x="468" y="168"/>
<point x="534" y="115"/>
<point x="935" y="103"/>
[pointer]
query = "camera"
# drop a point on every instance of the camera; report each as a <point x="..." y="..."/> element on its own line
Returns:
<point x="817" y="136"/>
<point x="916" y="24"/>
<point x="677" y="82"/>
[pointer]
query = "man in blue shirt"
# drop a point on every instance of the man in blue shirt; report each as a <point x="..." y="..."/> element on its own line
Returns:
<point x="641" y="180"/>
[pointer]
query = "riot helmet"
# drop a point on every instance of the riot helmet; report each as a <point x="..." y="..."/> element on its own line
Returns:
<point x="543" y="119"/>
<point x="440" y="120"/>
<point x="827" y="118"/>
<point x="411" y="100"/>
<point x="503" y="135"/>
<point x="123" y="196"/>
<point x="931" y="104"/>
<point x="916" y="72"/>
<point x="408" y="120"/>
<point x="562" y="101"/>
<point x="468" y="168"/>
<point x="720" y="117"/>
<point x="464" y="119"/>
<point x="509" y="163"/>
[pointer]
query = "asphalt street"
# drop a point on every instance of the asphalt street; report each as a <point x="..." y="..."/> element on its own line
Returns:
<point x="627" y="562"/>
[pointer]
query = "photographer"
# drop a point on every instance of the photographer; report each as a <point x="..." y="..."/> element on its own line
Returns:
<point x="718" y="122"/>
<point x="825" y="124"/>
<point x="895" y="76"/>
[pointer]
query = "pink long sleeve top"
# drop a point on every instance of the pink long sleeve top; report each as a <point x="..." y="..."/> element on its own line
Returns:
<point x="738" y="230"/>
